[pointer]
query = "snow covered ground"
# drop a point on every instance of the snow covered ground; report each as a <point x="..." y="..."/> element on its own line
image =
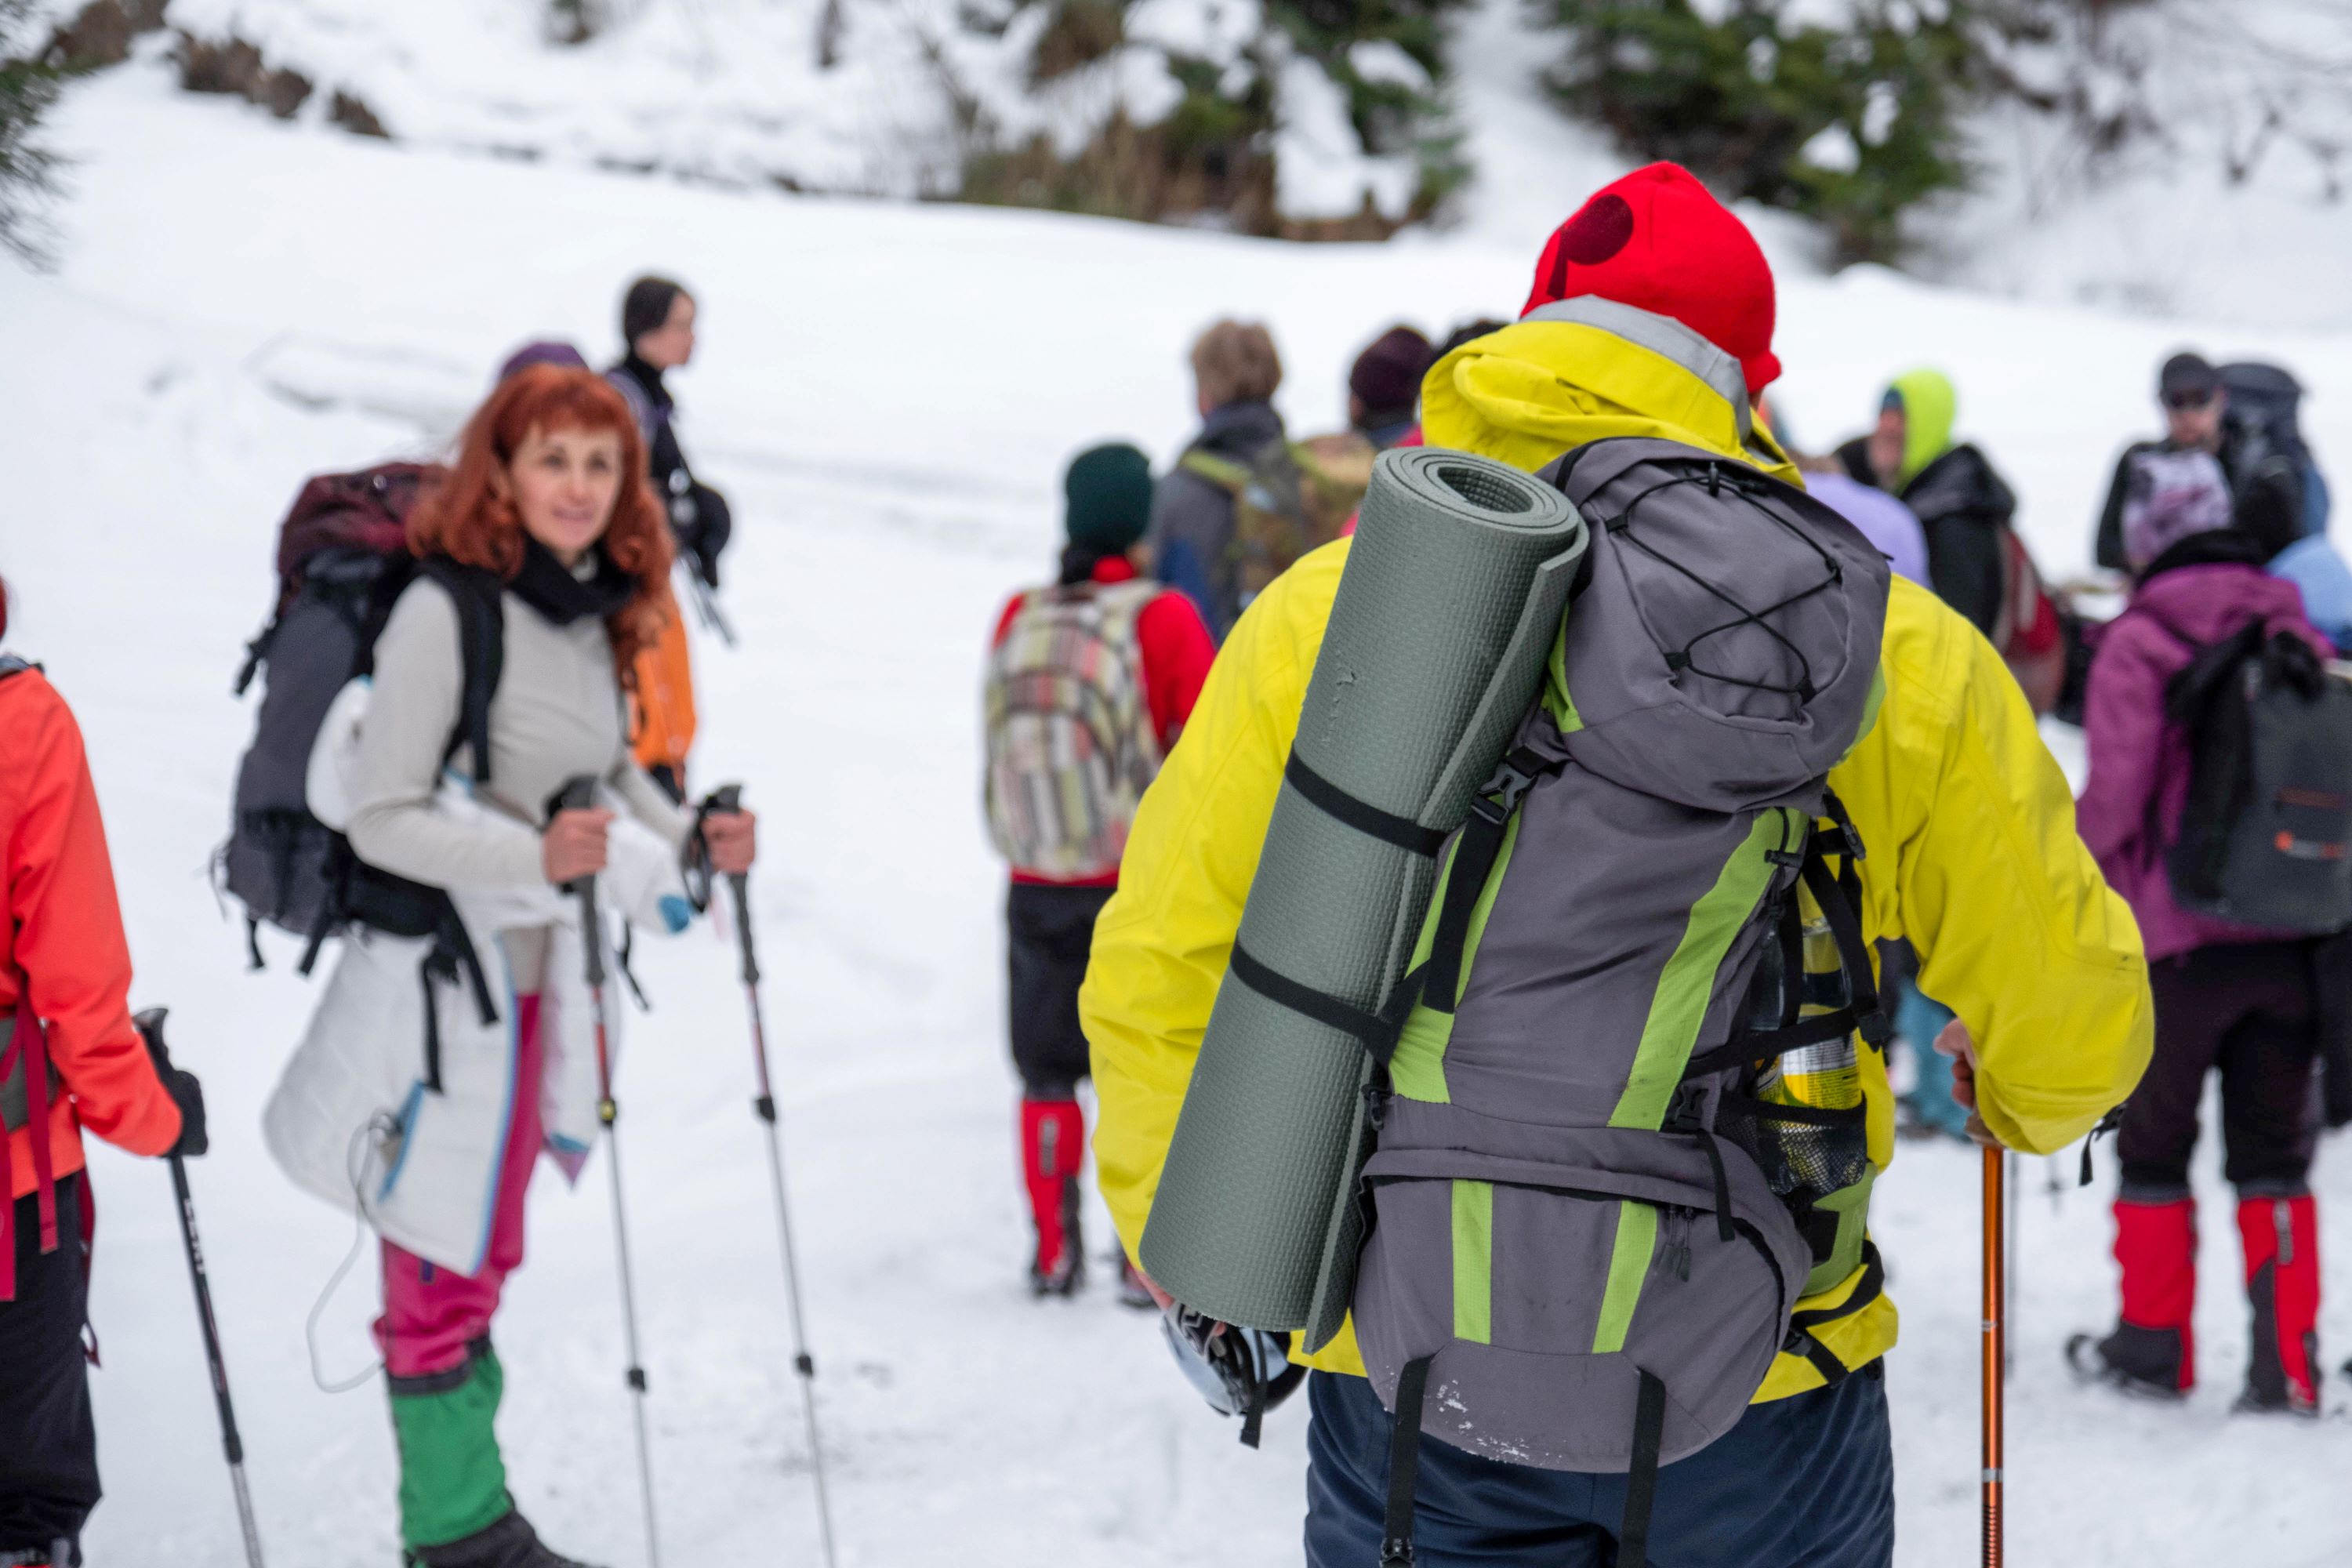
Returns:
<point x="888" y="392"/>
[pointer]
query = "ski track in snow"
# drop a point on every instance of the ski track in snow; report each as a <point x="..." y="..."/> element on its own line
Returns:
<point x="888" y="392"/>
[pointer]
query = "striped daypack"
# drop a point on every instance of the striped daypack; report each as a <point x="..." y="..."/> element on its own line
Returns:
<point x="1070" y="744"/>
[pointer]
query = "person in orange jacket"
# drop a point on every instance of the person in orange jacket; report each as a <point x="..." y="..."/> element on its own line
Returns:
<point x="70" y="1058"/>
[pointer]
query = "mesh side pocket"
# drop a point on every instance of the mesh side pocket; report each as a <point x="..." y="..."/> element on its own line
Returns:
<point x="1805" y="1153"/>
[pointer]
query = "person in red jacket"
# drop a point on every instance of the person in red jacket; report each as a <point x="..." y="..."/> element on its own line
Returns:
<point x="70" y="1058"/>
<point x="1090" y="681"/>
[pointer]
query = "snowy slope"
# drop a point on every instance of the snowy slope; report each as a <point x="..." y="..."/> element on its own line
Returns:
<point x="886" y="393"/>
<point x="2225" y="198"/>
<point x="2225" y="203"/>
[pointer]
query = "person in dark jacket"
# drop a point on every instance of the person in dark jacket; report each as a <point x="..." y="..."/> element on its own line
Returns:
<point x="2230" y="998"/>
<point x="1962" y="503"/>
<point x="657" y="318"/>
<point x="1384" y="386"/>
<point x="1235" y="374"/>
<point x="72" y="1059"/>
<point x="2267" y="504"/>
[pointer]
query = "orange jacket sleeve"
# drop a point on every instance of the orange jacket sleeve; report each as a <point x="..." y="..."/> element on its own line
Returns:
<point x="65" y="928"/>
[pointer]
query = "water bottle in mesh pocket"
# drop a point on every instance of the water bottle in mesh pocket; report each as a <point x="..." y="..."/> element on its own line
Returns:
<point x="1803" y="1123"/>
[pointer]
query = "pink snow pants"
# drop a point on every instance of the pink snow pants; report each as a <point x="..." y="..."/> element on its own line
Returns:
<point x="431" y="1314"/>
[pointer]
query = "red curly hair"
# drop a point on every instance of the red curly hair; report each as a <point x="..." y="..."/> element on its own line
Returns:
<point x="463" y="516"/>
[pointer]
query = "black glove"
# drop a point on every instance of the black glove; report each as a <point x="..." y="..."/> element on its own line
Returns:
<point x="180" y="1084"/>
<point x="714" y="525"/>
<point x="189" y="1096"/>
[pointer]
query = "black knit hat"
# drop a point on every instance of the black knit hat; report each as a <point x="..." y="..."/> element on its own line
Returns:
<point x="646" y="306"/>
<point x="1108" y="494"/>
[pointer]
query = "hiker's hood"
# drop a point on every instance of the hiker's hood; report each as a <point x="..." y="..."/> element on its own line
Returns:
<point x="2206" y="603"/>
<point x="1930" y="409"/>
<point x="1586" y="369"/>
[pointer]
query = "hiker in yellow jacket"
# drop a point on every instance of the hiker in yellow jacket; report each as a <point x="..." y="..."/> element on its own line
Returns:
<point x="1975" y="861"/>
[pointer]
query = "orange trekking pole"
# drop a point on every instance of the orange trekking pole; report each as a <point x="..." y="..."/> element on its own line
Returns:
<point x="1995" y="1295"/>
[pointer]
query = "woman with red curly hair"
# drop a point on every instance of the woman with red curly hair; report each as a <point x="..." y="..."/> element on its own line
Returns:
<point x="547" y="516"/>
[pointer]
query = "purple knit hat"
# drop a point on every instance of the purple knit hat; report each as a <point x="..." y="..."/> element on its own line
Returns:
<point x="1387" y="375"/>
<point x="548" y="351"/>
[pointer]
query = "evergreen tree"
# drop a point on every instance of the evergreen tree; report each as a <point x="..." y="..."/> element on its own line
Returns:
<point x="1848" y="115"/>
<point x="27" y="170"/>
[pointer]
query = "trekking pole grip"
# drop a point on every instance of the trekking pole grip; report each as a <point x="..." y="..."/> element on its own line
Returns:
<point x="150" y="1024"/>
<point x="579" y="793"/>
<point x="725" y="801"/>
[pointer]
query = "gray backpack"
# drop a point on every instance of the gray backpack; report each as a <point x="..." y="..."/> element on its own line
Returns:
<point x="1622" y="1134"/>
<point x="2265" y="834"/>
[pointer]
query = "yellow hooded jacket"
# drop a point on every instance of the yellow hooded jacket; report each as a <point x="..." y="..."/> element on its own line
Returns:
<point x="1969" y="823"/>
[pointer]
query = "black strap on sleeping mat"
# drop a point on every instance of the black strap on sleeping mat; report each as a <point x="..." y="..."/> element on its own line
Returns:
<point x="1362" y="816"/>
<point x="1641" y="1476"/>
<point x="1404" y="1463"/>
<point x="1377" y="1032"/>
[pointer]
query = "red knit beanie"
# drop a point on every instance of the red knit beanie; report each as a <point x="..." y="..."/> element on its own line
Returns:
<point x="1659" y="241"/>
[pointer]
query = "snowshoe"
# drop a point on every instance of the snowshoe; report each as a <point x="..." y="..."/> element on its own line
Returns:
<point x="2142" y="1363"/>
<point x="509" y="1543"/>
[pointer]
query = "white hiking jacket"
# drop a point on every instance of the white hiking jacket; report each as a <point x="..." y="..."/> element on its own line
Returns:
<point x="354" y="1119"/>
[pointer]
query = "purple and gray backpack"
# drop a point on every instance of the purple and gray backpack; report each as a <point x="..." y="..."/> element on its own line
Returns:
<point x="1623" y="1134"/>
<point x="342" y="563"/>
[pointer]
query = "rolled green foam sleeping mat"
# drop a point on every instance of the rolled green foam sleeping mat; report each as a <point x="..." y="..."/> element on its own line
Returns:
<point x="1452" y="594"/>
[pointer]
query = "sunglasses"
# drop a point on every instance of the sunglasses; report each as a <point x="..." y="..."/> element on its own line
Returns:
<point x="2182" y="402"/>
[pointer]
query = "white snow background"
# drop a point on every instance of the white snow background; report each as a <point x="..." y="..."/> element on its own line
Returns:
<point x="888" y="394"/>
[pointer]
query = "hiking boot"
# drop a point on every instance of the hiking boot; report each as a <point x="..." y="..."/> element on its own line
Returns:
<point x="509" y="1543"/>
<point x="61" y="1553"/>
<point x="1052" y="1143"/>
<point x="2142" y="1363"/>
<point x="1062" y="1271"/>
<point x="1132" y="1291"/>
<point x="2155" y="1342"/>
<point x="2281" y="1235"/>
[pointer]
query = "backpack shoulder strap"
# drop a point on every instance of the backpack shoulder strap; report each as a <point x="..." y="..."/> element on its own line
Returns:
<point x="1223" y="472"/>
<point x="27" y="1072"/>
<point x="481" y="646"/>
<point x="2186" y="693"/>
<point x="1123" y="604"/>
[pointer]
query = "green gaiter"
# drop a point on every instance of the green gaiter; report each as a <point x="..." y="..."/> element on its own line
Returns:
<point x="451" y="1482"/>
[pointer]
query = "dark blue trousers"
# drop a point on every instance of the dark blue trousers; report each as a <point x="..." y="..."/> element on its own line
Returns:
<point x="1805" y="1482"/>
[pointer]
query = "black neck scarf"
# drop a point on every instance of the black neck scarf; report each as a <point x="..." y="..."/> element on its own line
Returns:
<point x="647" y="376"/>
<point x="548" y="586"/>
